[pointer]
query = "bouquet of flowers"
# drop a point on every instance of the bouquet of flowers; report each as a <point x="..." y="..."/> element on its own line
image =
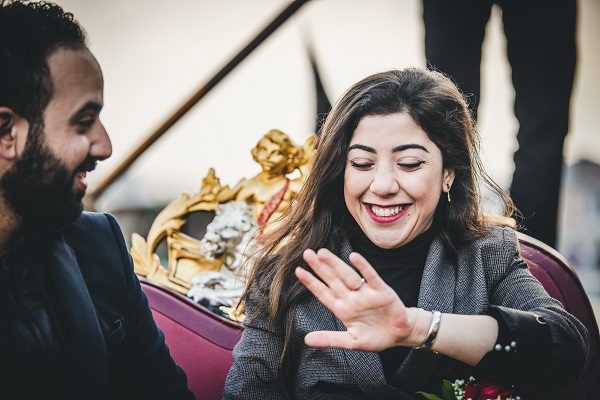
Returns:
<point x="471" y="390"/>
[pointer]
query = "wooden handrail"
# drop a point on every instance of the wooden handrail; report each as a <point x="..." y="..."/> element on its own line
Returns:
<point x="203" y="91"/>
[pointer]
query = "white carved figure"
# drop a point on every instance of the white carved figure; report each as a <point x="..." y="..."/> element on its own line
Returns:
<point x="228" y="238"/>
<point x="217" y="288"/>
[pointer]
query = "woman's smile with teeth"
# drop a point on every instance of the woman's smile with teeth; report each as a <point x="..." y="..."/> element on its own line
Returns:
<point x="385" y="211"/>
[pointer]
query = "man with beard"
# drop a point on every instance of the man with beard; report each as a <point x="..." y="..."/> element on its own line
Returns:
<point x="74" y="322"/>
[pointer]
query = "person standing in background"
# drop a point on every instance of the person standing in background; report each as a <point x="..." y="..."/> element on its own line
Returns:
<point x="541" y="49"/>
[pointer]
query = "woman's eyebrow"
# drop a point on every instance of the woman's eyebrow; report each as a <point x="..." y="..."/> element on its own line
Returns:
<point x="396" y="149"/>
<point x="362" y="147"/>
<point x="403" y="147"/>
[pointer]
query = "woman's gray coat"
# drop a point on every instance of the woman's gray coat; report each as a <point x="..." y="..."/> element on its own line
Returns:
<point x="489" y="271"/>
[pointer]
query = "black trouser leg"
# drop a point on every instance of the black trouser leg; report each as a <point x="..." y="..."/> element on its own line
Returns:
<point x="454" y="32"/>
<point x="542" y="55"/>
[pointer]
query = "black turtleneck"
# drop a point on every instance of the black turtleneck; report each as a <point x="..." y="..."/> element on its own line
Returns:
<point x="402" y="269"/>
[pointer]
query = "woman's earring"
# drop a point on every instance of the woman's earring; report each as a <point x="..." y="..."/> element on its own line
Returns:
<point x="448" y="192"/>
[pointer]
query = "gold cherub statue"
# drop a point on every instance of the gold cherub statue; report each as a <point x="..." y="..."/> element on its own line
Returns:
<point x="266" y="195"/>
<point x="271" y="191"/>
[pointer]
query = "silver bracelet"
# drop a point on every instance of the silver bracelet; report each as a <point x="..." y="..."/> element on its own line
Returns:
<point x="436" y="317"/>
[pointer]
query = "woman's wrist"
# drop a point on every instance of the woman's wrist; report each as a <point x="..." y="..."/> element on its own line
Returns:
<point x="432" y="332"/>
<point x="421" y="328"/>
<point x="466" y="338"/>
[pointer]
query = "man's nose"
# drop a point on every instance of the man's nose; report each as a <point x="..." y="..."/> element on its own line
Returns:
<point x="101" y="147"/>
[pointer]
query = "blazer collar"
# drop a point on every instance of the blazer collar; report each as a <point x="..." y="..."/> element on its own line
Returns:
<point x="436" y="293"/>
<point x="85" y="349"/>
<point x="368" y="372"/>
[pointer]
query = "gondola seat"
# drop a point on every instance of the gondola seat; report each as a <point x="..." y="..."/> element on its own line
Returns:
<point x="200" y="341"/>
<point x="561" y="282"/>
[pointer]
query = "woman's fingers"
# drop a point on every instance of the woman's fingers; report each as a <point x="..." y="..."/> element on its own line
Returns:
<point x="311" y="282"/>
<point x="329" y="339"/>
<point x="338" y="275"/>
<point x="365" y="340"/>
<point x="320" y="290"/>
<point x="364" y="308"/>
<point x="367" y="271"/>
<point x="324" y="265"/>
<point x="342" y="271"/>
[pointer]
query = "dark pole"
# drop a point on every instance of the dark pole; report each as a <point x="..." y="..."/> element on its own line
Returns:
<point x="207" y="87"/>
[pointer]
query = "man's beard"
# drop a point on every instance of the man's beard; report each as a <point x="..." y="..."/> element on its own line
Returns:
<point x="40" y="188"/>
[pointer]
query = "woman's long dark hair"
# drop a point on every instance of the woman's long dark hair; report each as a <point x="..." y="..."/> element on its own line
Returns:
<point x="320" y="218"/>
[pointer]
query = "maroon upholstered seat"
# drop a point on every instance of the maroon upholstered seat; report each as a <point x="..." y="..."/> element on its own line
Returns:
<point x="561" y="282"/>
<point x="200" y="341"/>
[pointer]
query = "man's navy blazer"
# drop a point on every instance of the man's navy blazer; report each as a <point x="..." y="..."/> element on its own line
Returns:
<point x="114" y="348"/>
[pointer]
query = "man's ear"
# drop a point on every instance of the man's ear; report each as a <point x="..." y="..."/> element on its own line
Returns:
<point x="8" y="133"/>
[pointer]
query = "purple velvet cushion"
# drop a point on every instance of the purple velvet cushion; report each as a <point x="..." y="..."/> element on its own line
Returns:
<point x="200" y="341"/>
<point x="561" y="282"/>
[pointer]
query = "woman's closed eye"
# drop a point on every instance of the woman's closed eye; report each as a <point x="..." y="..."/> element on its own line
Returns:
<point x="361" y="165"/>
<point x="411" y="166"/>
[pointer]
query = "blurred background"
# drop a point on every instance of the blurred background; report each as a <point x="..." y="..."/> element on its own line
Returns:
<point x="155" y="55"/>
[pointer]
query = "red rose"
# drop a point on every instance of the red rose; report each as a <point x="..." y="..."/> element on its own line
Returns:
<point x="486" y="391"/>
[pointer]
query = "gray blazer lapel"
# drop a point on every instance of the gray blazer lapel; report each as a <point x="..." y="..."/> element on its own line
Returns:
<point x="368" y="372"/>
<point x="85" y="348"/>
<point x="366" y="366"/>
<point x="437" y="293"/>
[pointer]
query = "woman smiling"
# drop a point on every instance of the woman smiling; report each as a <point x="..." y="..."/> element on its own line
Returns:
<point x="415" y="286"/>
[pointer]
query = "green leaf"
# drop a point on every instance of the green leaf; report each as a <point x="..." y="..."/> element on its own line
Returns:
<point x="429" y="396"/>
<point x="448" y="390"/>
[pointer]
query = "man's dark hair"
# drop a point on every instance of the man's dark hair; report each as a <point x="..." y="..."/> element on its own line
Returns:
<point x="30" y="32"/>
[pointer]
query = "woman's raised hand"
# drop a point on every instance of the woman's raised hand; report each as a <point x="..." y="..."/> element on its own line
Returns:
<point x="374" y="315"/>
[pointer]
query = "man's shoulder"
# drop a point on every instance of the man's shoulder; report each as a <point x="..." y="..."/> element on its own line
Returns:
<point x="92" y="223"/>
<point x="97" y="240"/>
<point x="88" y="218"/>
<point x="93" y="229"/>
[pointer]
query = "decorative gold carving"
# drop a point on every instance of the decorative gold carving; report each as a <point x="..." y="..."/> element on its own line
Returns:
<point x="278" y="156"/>
<point x="207" y="268"/>
<point x="180" y="246"/>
